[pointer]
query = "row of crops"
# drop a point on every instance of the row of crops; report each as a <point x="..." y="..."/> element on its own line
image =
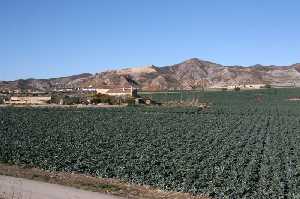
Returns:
<point x="240" y="148"/>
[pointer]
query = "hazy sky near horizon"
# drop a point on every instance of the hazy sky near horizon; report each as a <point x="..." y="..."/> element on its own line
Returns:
<point x="49" y="38"/>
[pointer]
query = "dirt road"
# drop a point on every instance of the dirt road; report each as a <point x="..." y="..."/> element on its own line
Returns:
<point x="18" y="188"/>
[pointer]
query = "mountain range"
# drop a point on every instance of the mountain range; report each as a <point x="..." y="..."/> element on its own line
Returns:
<point x="190" y="74"/>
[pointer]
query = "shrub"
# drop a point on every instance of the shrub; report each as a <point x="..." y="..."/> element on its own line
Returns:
<point x="237" y="89"/>
<point x="268" y="86"/>
<point x="65" y="100"/>
<point x="102" y="98"/>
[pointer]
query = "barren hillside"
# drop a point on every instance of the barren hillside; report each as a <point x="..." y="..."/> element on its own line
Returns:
<point x="190" y="74"/>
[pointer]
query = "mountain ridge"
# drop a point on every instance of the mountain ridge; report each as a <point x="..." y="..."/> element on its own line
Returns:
<point x="189" y="74"/>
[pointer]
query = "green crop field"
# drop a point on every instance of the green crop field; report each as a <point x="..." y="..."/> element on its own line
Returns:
<point x="246" y="145"/>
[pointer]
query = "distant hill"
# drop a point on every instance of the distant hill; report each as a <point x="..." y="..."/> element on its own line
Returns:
<point x="190" y="74"/>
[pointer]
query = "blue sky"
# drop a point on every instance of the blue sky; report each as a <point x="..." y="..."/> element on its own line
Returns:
<point x="49" y="38"/>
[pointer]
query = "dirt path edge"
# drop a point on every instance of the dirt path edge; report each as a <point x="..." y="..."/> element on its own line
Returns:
<point x="90" y="183"/>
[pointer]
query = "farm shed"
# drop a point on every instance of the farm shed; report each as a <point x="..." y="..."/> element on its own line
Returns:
<point x="254" y="86"/>
<point x="246" y="86"/>
<point x="28" y="100"/>
<point x="118" y="91"/>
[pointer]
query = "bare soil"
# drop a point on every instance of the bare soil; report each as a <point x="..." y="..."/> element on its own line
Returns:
<point x="86" y="182"/>
<point x="65" y="106"/>
<point x="20" y="188"/>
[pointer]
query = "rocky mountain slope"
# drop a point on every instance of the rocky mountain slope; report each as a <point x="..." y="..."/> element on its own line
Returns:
<point x="190" y="74"/>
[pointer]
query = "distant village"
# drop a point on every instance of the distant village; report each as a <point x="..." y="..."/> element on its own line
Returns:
<point x="240" y="86"/>
<point x="91" y="95"/>
<point x="71" y="96"/>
